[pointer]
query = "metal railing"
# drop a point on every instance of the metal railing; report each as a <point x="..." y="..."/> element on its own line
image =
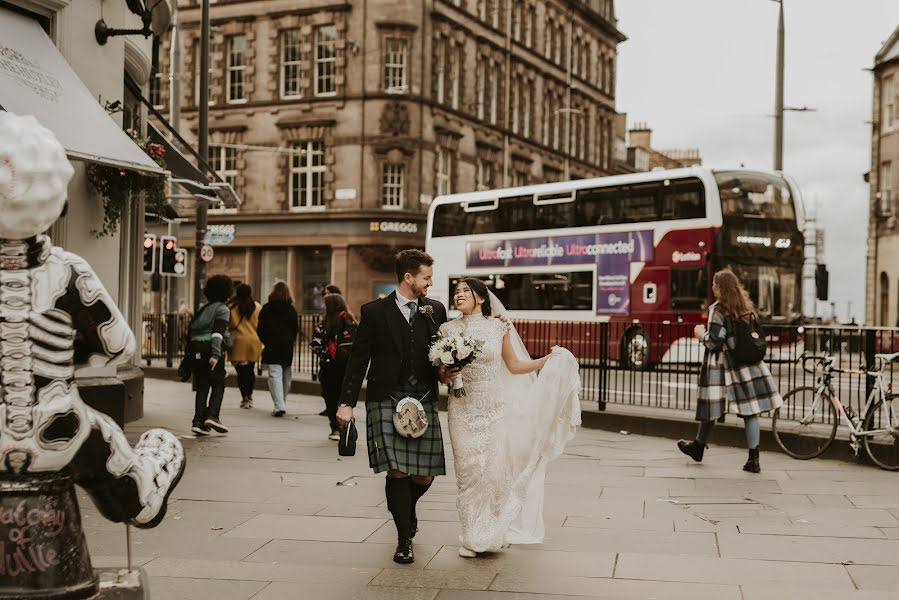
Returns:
<point x="163" y="336"/>
<point x="650" y="364"/>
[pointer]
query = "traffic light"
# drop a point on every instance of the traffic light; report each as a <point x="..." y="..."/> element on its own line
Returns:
<point x="172" y="259"/>
<point x="149" y="252"/>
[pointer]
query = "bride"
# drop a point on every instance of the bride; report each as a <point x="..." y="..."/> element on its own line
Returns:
<point x="507" y="427"/>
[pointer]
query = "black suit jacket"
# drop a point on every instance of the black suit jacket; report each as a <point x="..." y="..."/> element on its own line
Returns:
<point x="383" y="340"/>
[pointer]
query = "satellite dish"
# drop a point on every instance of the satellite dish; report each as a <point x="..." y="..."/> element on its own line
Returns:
<point x="160" y="16"/>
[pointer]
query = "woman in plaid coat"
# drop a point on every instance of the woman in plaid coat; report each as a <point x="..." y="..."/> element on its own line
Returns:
<point x="723" y="386"/>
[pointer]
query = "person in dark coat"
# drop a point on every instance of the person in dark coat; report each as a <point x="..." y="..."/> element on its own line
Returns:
<point x="277" y="329"/>
<point x="332" y="341"/>
<point x="747" y="391"/>
<point x="393" y="337"/>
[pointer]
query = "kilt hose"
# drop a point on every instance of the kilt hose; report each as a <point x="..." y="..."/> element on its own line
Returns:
<point x="388" y="450"/>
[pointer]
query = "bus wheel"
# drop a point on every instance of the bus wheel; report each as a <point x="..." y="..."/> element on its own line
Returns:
<point x="635" y="350"/>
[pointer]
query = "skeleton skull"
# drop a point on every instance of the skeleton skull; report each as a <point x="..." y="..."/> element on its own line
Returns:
<point x="34" y="175"/>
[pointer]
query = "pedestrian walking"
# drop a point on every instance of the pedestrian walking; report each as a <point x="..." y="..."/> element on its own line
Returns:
<point x="206" y="336"/>
<point x="332" y="341"/>
<point x="277" y="329"/>
<point x="326" y="291"/>
<point x="727" y="381"/>
<point x="247" y="348"/>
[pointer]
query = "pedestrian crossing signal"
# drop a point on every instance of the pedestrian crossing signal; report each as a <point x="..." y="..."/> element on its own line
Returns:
<point x="172" y="259"/>
<point x="149" y="253"/>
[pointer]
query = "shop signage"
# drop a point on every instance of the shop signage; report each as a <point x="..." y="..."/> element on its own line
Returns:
<point x="345" y="194"/>
<point x="612" y="253"/>
<point x="219" y="235"/>
<point x="393" y="227"/>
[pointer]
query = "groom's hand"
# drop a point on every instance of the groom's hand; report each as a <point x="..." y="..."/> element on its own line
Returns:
<point x="344" y="414"/>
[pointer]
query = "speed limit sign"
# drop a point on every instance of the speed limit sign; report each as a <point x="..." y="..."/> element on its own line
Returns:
<point x="206" y="253"/>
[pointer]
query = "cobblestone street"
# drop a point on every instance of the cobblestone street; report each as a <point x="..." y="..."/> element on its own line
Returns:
<point x="269" y="512"/>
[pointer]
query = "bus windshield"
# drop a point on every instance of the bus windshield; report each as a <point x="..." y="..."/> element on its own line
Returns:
<point x="754" y="195"/>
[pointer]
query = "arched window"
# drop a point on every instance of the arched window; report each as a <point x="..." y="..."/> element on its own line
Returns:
<point x="884" y="300"/>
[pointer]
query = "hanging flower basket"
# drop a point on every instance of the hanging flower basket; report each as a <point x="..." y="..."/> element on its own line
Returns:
<point x="116" y="186"/>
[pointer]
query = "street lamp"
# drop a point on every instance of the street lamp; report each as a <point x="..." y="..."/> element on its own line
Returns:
<point x="203" y="149"/>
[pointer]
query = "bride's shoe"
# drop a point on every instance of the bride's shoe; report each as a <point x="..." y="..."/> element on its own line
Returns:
<point x="466" y="553"/>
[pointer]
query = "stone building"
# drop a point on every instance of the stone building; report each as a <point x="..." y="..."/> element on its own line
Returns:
<point x="643" y="157"/>
<point x="53" y="67"/>
<point x="339" y="122"/>
<point x="882" y="289"/>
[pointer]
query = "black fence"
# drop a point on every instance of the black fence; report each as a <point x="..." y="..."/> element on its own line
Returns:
<point x="647" y="364"/>
<point x="163" y="336"/>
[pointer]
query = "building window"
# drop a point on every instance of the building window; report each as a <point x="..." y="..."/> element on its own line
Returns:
<point x="455" y="70"/>
<point x="889" y="102"/>
<point x="481" y="91"/>
<point x="518" y="15"/>
<point x="441" y="45"/>
<point x="273" y="268"/>
<point x="325" y="60"/>
<point x="884" y="300"/>
<point x="493" y="92"/>
<point x="886" y="188"/>
<point x="316" y="266"/>
<point x="393" y="178"/>
<point x="490" y="11"/>
<point x="211" y="96"/>
<point x="548" y="40"/>
<point x="485" y="175"/>
<point x="530" y="26"/>
<point x="444" y="171"/>
<point x="559" y="45"/>
<point x="291" y="71"/>
<point x="237" y="68"/>
<point x="520" y="178"/>
<point x="515" y="101"/>
<point x="223" y="160"/>
<point x="395" y="57"/>
<point x="307" y="175"/>
<point x="156" y="76"/>
<point x="527" y="95"/>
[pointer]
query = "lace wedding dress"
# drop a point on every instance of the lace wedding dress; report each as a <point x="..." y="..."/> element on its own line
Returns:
<point x="504" y="431"/>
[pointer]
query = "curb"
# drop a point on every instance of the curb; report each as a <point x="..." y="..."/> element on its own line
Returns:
<point x="640" y="420"/>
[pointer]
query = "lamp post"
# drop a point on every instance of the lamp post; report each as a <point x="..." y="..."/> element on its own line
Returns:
<point x="779" y="92"/>
<point x="203" y="149"/>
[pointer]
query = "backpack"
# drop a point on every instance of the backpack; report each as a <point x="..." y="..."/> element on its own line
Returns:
<point x="750" y="345"/>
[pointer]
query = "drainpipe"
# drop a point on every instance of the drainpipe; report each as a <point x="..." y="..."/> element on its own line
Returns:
<point x="507" y="84"/>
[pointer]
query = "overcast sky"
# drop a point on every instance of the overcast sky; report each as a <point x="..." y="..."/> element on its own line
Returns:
<point x="701" y="74"/>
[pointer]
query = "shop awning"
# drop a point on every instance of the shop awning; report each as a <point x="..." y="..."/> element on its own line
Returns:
<point x="36" y="80"/>
<point x="185" y="174"/>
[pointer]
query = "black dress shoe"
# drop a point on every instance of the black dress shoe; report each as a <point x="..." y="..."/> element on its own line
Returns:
<point x="404" y="554"/>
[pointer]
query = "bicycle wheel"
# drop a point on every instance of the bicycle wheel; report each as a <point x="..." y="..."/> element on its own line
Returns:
<point x="805" y="425"/>
<point x="882" y="446"/>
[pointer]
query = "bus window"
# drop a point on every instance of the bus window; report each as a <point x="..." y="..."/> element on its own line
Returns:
<point x="640" y="203"/>
<point x="449" y="219"/>
<point x="598" y="206"/>
<point x="689" y="289"/>
<point x="684" y="199"/>
<point x="539" y="291"/>
<point x="754" y="195"/>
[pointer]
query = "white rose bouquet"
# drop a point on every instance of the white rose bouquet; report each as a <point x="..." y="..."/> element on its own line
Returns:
<point x="454" y="352"/>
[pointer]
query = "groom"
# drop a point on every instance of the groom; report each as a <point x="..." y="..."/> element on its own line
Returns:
<point x="394" y="336"/>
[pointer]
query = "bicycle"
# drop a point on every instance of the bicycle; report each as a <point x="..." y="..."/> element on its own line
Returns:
<point x="806" y="425"/>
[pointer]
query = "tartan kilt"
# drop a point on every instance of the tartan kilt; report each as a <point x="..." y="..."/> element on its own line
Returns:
<point x="744" y="391"/>
<point x="389" y="450"/>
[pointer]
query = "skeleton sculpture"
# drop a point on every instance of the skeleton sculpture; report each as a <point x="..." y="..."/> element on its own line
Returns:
<point x="54" y="313"/>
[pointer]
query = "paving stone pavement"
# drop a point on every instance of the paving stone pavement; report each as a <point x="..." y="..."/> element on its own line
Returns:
<point x="270" y="512"/>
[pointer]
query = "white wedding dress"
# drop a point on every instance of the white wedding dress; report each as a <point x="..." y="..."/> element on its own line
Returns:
<point x="504" y="431"/>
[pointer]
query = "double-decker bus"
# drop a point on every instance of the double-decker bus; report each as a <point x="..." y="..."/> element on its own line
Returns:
<point x="633" y="250"/>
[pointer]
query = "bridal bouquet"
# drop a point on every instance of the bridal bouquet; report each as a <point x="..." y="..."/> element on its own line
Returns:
<point x="454" y="352"/>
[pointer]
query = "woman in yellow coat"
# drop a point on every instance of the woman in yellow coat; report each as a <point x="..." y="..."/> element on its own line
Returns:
<point x="247" y="348"/>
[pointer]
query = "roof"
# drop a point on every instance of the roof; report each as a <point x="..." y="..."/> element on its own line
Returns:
<point x="890" y="49"/>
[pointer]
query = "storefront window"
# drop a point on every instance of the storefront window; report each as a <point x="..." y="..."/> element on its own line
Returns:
<point x="316" y="275"/>
<point x="273" y="269"/>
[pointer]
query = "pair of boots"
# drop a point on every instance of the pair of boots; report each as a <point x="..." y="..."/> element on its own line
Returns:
<point x="402" y="495"/>
<point x="695" y="450"/>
